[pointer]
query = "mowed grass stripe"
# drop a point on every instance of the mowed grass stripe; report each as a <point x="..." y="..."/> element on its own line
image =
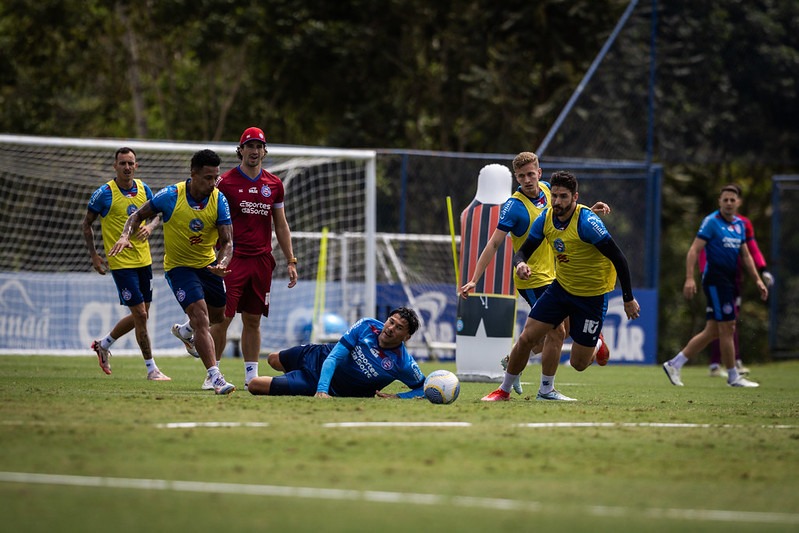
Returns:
<point x="698" y="515"/>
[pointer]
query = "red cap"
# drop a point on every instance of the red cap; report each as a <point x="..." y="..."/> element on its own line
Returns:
<point x="252" y="134"/>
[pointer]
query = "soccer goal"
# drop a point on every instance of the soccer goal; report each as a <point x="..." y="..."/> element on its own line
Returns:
<point x="53" y="302"/>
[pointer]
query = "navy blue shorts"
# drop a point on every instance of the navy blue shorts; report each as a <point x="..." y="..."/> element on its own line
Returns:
<point x="193" y="284"/>
<point x="531" y="296"/>
<point x="134" y="285"/>
<point x="302" y="366"/>
<point x="586" y="313"/>
<point x="722" y="302"/>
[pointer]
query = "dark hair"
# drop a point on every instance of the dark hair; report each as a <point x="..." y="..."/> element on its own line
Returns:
<point x="124" y="150"/>
<point x="732" y="187"/>
<point x="205" y="158"/>
<point x="565" y="179"/>
<point x="410" y="317"/>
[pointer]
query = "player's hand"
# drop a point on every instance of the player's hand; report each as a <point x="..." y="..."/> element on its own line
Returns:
<point x="632" y="309"/>
<point x="380" y="394"/>
<point x="99" y="265"/>
<point x="523" y="271"/>
<point x="763" y="290"/>
<point x="466" y="289"/>
<point x="689" y="289"/>
<point x="601" y="208"/>
<point x="120" y="245"/>
<point x="321" y="395"/>
<point x="292" y="275"/>
<point x="219" y="270"/>
<point x="768" y="278"/>
<point x="144" y="233"/>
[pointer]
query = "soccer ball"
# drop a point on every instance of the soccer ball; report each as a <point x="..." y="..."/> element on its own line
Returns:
<point x="442" y="386"/>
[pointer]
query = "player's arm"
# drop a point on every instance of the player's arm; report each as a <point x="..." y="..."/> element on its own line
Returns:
<point x="611" y="250"/>
<point x="147" y="229"/>
<point x="757" y="255"/>
<point x="132" y="224"/>
<point x="749" y="265"/>
<point x="225" y="253"/>
<point x="283" y="234"/>
<point x="338" y="356"/>
<point x="488" y="253"/>
<point x="88" y="235"/>
<point x="689" y="288"/>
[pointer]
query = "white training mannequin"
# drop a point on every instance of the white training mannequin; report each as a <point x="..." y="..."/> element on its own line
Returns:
<point x="494" y="184"/>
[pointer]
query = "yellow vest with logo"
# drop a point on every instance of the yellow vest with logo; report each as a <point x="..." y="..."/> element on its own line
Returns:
<point x="190" y="234"/>
<point x="581" y="269"/>
<point x="542" y="261"/>
<point x="112" y="223"/>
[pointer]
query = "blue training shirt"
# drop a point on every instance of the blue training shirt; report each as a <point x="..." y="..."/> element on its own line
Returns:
<point x="100" y="202"/>
<point x="165" y="200"/>
<point x="357" y="366"/>
<point x="722" y="249"/>
<point x="514" y="217"/>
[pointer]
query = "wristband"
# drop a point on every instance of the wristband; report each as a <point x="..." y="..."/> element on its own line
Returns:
<point x="292" y="261"/>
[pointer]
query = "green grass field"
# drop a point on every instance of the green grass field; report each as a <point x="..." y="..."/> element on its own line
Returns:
<point x="88" y="452"/>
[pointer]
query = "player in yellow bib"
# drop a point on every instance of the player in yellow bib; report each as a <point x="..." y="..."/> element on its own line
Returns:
<point x="196" y="215"/>
<point x="132" y="270"/>
<point x="516" y="219"/>
<point x="588" y="260"/>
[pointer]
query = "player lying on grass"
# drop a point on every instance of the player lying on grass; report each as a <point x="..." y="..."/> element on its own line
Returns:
<point x="369" y="356"/>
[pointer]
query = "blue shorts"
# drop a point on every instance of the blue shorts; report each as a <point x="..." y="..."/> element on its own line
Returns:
<point x="193" y="284"/>
<point x="134" y="285"/>
<point x="722" y="302"/>
<point x="302" y="366"/>
<point x="586" y="314"/>
<point x="531" y="296"/>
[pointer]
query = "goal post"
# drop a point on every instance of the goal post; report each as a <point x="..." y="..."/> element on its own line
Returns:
<point x="51" y="299"/>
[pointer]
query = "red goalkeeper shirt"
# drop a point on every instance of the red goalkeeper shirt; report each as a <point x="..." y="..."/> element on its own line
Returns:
<point x="251" y="204"/>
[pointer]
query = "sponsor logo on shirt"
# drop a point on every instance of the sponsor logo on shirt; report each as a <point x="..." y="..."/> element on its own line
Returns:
<point x="255" y="208"/>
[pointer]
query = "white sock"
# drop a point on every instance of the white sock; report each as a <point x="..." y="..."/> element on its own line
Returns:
<point x="185" y="330"/>
<point x="547" y="384"/>
<point x="250" y="371"/>
<point x="214" y="373"/>
<point x="150" y="364"/>
<point x="678" y="360"/>
<point x="507" y="381"/>
<point x="107" y="342"/>
<point x="732" y="374"/>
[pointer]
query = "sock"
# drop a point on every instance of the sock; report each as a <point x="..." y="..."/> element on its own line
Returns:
<point x="107" y="341"/>
<point x="214" y="373"/>
<point x="507" y="382"/>
<point x="185" y="330"/>
<point x="598" y="345"/>
<point x="150" y="364"/>
<point x="732" y="374"/>
<point x="678" y="361"/>
<point x="714" y="366"/>
<point x="547" y="384"/>
<point x="250" y="371"/>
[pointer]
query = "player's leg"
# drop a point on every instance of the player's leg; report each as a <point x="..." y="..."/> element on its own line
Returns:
<point x="250" y="344"/>
<point x="586" y="317"/>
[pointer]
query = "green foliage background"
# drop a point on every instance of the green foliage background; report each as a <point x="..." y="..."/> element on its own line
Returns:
<point x="455" y="75"/>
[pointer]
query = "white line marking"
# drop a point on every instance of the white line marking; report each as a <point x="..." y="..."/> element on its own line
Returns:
<point x="537" y="425"/>
<point x="396" y="424"/>
<point x="714" y="515"/>
<point x="181" y="425"/>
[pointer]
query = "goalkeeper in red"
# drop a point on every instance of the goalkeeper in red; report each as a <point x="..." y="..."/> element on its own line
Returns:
<point x="588" y="261"/>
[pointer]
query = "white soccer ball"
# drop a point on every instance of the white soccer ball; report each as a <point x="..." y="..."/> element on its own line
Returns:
<point x="442" y="386"/>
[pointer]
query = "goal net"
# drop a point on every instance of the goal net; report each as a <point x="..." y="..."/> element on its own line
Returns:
<point x="51" y="299"/>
